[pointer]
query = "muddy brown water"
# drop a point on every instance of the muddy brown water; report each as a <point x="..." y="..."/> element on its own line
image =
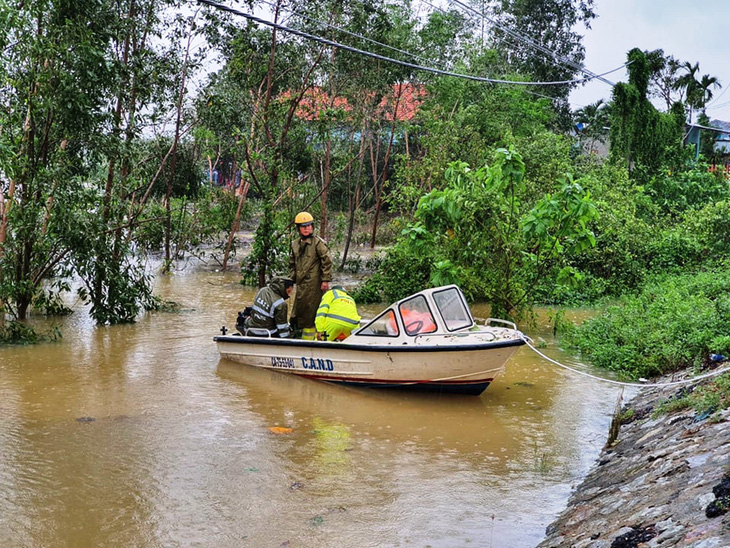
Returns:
<point x="140" y="435"/>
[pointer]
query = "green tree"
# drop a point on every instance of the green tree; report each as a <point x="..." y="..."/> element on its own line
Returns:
<point x="80" y="80"/>
<point x="55" y="79"/>
<point x="705" y="93"/>
<point x="484" y="232"/>
<point x="463" y="120"/>
<point x="275" y="70"/>
<point x="664" y="76"/>
<point x="540" y="40"/>
<point x="669" y="76"/>
<point x="144" y="90"/>
<point x="707" y="138"/>
<point x="642" y="138"/>
<point x="697" y="90"/>
<point x="690" y="85"/>
<point x="445" y="38"/>
<point x="593" y="121"/>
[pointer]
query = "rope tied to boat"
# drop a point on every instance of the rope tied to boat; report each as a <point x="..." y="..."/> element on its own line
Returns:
<point x="636" y="384"/>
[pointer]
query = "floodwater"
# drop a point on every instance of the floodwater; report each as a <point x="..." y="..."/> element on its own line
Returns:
<point x="140" y="435"/>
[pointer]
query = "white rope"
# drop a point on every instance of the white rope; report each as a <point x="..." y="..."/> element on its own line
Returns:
<point x="640" y="385"/>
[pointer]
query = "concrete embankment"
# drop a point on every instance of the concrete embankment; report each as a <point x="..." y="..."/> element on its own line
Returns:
<point x="665" y="481"/>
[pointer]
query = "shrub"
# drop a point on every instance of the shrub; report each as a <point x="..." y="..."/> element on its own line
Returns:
<point x="711" y="225"/>
<point x="706" y="399"/>
<point x="14" y="332"/>
<point x="674" y="250"/>
<point x="675" y="193"/>
<point x="399" y="275"/>
<point x="193" y="223"/>
<point x="618" y="263"/>
<point x="673" y="323"/>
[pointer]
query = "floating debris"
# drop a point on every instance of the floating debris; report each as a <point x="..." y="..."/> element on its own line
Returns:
<point x="316" y="520"/>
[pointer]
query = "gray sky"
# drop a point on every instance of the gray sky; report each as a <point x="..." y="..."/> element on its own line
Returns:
<point x="698" y="32"/>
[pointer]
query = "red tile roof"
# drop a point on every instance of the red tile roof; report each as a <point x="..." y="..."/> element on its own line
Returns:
<point x="403" y="103"/>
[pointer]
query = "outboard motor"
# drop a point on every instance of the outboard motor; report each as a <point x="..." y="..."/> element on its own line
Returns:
<point x="241" y="320"/>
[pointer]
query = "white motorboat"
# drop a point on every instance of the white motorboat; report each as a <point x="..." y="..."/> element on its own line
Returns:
<point x="428" y="341"/>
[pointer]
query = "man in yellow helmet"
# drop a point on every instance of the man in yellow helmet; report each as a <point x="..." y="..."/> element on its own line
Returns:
<point x="310" y="266"/>
<point x="336" y="316"/>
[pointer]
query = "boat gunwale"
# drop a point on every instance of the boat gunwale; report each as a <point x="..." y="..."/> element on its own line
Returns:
<point x="300" y="343"/>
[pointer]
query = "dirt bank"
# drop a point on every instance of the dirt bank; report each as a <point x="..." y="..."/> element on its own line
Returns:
<point x="665" y="481"/>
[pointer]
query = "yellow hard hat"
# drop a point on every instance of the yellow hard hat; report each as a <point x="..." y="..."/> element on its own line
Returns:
<point x="303" y="218"/>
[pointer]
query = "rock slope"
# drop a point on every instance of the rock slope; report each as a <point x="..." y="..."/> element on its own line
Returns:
<point x="665" y="481"/>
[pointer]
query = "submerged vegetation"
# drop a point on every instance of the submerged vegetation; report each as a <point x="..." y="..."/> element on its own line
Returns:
<point x="675" y="322"/>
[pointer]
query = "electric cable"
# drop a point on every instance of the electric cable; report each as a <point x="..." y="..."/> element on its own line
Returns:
<point x="349" y="33"/>
<point x="351" y="49"/>
<point x="536" y="45"/>
<point x="716" y="99"/>
<point x="720" y="106"/>
<point x="512" y="42"/>
<point x="518" y="36"/>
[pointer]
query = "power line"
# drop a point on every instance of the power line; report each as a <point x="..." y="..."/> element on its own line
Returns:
<point x="345" y="31"/>
<point x="716" y="99"/>
<point x="332" y="43"/>
<point x="715" y="107"/>
<point x="535" y="45"/>
<point x="517" y="37"/>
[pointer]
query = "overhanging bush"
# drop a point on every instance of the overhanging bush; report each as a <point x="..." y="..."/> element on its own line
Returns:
<point x="673" y="323"/>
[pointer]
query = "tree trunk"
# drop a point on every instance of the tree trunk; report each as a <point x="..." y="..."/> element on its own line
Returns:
<point x="236" y="223"/>
<point x="173" y="161"/>
<point x="379" y="188"/>
<point x="354" y="203"/>
<point x="384" y="178"/>
<point x="326" y="179"/>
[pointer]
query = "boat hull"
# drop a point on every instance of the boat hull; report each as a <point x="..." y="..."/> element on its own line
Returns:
<point x="454" y="366"/>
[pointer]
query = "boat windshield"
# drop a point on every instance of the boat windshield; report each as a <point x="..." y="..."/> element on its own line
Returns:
<point x="416" y="316"/>
<point x="453" y="309"/>
<point x="382" y="326"/>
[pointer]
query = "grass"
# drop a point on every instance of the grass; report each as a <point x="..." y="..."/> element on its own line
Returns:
<point x="706" y="400"/>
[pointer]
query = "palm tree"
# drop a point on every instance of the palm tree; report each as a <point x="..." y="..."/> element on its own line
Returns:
<point x="690" y="85"/>
<point x="706" y="93"/>
<point x="594" y="120"/>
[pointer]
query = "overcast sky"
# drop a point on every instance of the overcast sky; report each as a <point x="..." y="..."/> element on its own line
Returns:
<point x="698" y="32"/>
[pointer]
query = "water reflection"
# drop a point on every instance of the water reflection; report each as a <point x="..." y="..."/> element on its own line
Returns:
<point x="431" y="421"/>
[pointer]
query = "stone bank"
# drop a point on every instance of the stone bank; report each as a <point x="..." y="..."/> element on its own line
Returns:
<point x="664" y="482"/>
